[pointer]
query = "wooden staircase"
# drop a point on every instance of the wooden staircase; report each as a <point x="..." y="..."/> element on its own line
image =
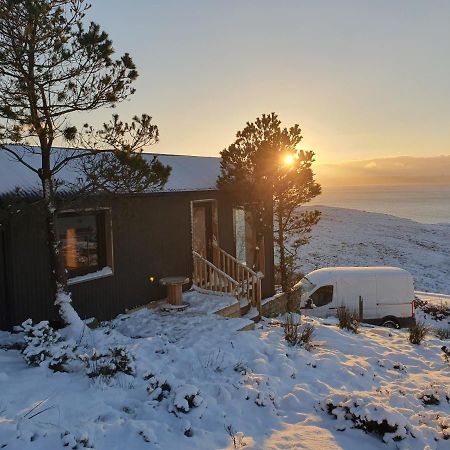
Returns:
<point x="228" y="276"/>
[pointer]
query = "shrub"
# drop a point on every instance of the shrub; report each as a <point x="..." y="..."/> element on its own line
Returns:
<point x="306" y="336"/>
<point x="446" y="351"/>
<point x="436" y="311"/>
<point x="434" y="394"/>
<point x="444" y="424"/>
<point x="297" y="334"/>
<point x="75" y="442"/>
<point x="238" y="438"/>
<point x="44" y="344"/>
<point x="38" y="340"/>
<point x="214" y="361"/>
<point x="241" y="367"/>
<point x="417" y="333"/>
<point x="368" y="415"/>
<point x="158" y="387"/>
<point x="442" y="333"/>
<point x="186" y="398"/>
<point x="348" y="320"/>
<point x="291" y="327"/>
<point x="106" y="365"/>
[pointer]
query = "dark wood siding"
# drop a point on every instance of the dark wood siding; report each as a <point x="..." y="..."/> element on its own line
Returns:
<point x="151" y="237"/>
<point x="4" y="304"/>
<point x="30" y="293"/>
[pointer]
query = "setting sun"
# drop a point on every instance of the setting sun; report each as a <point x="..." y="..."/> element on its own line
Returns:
<point x="288" y="159"/>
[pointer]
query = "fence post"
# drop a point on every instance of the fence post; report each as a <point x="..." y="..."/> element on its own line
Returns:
<point x="361" y="309"/>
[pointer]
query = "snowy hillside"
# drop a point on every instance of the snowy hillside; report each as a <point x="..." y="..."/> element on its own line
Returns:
<point x="347" y="237"/>
<point x="194" y="382"/>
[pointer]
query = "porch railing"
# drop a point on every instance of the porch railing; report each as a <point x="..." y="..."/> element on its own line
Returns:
<point x="208" y="276"/>
<point x="228" y="275"/>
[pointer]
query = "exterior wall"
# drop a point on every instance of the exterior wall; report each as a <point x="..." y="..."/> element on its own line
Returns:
<point x="4" y="313"/>
<point x="151" y="237"/>
<point x="274" y="306"/>
<point x="27" y="267"/>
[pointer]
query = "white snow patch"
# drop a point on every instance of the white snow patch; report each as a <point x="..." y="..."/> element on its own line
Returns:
<point x="102" y="273"/>
<point x="74" y="329"/>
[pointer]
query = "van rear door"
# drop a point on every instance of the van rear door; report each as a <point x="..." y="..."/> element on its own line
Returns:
<point x="351" y="288"/>
<point x="394" y="296"/>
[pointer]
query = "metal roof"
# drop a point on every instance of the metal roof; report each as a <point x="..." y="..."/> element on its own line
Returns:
<point x="189" y="173"/>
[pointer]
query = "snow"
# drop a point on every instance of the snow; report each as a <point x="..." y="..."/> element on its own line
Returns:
<point x="200" y="384"/>
<point x="75" y="325"/>
<point x="189" y="173"/>
<point x="347" y="237"/>
<point x="102" y="273"/>
<point x="364" y="271"/>
<point x="437" y="299"/>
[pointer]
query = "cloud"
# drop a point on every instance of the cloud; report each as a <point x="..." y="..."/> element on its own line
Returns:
<point x="386" y="171"/>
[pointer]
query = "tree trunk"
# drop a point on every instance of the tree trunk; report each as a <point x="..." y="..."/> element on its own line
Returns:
<point x="282" y="253"/>
<point x="61" y="294"/>
<point x="284" y="275"/>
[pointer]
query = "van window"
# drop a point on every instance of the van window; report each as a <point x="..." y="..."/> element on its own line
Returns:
<point x="323" y="296"/>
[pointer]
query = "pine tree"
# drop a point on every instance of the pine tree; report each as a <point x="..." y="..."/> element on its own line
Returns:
<point x="53" y="66"/>
<point x="264" y="170"/>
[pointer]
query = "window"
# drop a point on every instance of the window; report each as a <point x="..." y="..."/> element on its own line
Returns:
<point x="323" y="296"/>
<point x="246" y="249"/>
<point x="84" y="241"/>
<point x="239" y="234"/>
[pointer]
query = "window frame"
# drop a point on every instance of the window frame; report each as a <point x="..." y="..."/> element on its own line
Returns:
<point x="260" y="253"/>
<point x="317" y="290"/>
<point x="105" y="251"/>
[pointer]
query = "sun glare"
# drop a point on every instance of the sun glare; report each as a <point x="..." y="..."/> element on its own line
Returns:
<point x="288" y="159"/>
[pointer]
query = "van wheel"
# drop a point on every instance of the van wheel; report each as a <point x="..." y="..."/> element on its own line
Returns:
<point x="390" y="322"/>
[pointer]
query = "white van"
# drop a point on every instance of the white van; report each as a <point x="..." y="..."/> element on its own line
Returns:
<point x="387" y="294"/>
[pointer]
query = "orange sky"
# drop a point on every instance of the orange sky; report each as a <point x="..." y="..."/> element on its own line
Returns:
<point x="363" y="79"/>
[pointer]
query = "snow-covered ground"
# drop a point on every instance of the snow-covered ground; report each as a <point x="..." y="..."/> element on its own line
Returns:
<point x="199" y="383"/>
<point x="347" y="237"/>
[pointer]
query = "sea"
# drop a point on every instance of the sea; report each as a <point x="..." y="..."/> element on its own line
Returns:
<point x="421" y="203"/>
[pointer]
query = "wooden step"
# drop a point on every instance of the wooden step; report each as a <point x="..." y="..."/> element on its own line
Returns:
<point x="252" y="315"/>
<point x="245" y="306"/>
<point x="230" y="311"/>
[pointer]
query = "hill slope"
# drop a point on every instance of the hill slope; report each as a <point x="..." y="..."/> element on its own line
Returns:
<point x="347" y="237"/>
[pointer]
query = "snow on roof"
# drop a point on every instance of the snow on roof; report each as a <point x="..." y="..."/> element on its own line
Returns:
<point x="189" y="173"/>
<point x="321" y="275"/>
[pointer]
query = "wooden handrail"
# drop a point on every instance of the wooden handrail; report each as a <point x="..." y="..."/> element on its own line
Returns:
<point x="228" y="276"/>
<point x="225" y="261"/>
<point x="212" y="266"/>
<point x="208" y="276"/>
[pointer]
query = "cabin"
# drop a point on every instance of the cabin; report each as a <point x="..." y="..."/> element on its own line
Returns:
<point x="116" y="248"/>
